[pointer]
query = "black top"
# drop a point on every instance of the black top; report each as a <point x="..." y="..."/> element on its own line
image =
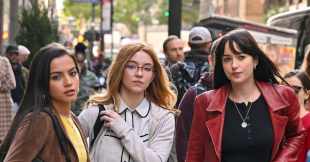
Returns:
<point x="253" y="143"/>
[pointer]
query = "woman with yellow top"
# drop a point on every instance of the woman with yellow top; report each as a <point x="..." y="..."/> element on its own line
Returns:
<point x="44" y="127"/>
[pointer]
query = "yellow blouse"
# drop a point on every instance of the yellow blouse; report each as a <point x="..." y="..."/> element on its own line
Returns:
<point x="75" y="137"/>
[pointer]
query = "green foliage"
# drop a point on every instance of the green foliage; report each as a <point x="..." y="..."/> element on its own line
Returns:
<point x="190" y="13"/>
<point x="273" y="10"/>
<point x="131" y="12"/>
<point x="80" y="10"/>
<point x="36" y="29"/>
<point x="163" y="12"/>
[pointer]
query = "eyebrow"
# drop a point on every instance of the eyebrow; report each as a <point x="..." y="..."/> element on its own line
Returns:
<point x="135" y="62"/>
<point x="234" y="54"/>
<point x="58" y="72"/>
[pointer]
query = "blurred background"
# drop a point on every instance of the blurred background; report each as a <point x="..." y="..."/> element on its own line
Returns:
<point x="104" y="25"/>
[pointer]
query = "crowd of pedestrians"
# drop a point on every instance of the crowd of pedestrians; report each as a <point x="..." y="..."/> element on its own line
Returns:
<point x="223" y="100"/>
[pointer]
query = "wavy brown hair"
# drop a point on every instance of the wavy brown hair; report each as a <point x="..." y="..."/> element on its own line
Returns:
<point x="158" y="91"/>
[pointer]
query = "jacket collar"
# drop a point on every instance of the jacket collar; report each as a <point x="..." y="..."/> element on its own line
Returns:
<point x="272" y="97"/>
<point x="142" y="109"/>
<point x="269" y="92"/>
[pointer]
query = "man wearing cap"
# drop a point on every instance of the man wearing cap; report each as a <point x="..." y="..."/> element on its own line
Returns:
<point x="186" y="74"/>
<point x="12" y="54"/>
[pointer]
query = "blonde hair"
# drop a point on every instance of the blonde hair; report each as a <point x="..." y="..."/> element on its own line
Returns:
<point x="158" y="92"/>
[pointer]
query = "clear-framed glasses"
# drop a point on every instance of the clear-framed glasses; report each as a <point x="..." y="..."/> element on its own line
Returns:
<point x="135" y="67"/>
<point x="307" y="96"/>
<point x="296" y="88"/>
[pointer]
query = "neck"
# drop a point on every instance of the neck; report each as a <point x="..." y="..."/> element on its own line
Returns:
<point x="62" y="108"/>
<point x="131" y="99"/>
<point x="172" y="62"/>
<point x="245" y="92"/>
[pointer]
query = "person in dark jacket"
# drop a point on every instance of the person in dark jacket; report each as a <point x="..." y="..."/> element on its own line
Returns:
<point x="20" y="77"/>
<point x="186" y="106"/>
<point x="186" y="74"/>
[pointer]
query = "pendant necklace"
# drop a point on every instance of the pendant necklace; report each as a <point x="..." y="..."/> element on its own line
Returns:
<point x="244" y="124"/>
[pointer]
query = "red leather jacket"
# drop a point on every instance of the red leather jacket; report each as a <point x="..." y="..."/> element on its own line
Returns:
<point x="205" y="143"/>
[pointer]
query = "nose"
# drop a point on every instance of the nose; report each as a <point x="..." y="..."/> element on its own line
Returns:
<point x="234" y="63"/>
<point x="67" y="80"/>
<point x="179" y="52"/>
<point x="139" y="72"/>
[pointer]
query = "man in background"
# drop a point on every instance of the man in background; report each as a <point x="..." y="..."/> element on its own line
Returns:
<point x="173" y="50"/>
<point x="21" y="77"/>
<point x="186" y="74"/>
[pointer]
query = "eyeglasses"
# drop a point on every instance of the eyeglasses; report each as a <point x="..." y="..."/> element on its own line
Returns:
<point x="296" y="88"/>
<point x="135" y="67"/>
<point x="307" y="96"/>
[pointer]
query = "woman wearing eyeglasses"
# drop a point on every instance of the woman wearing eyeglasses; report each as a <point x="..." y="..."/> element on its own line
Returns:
<point x="139" y="119"/>
<point x="295" y="83"/>
<point x="304" y="74"/>
<point x="301" y="92"/>
<point x="248" y="117"/>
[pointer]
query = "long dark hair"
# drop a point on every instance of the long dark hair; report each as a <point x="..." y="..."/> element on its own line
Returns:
<point x="36" y="96"/>
<point x="265" y="69"/>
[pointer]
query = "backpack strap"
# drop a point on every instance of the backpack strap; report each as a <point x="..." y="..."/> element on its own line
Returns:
<point x="60" y="135"/>
<point x="97" y="126"/>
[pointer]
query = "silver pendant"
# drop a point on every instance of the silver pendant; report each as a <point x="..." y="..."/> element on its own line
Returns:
<point x="244" y="124"/>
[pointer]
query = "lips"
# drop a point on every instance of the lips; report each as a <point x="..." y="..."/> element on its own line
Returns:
<point x="236" y="73"/>
<point x="138" y="82"/>
<point x="70" y="92"/>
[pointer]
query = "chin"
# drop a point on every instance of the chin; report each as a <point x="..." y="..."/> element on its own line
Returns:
<point x="70" y="99"/>
<point x="238" y="81"/>
<point x="137" y="90"/>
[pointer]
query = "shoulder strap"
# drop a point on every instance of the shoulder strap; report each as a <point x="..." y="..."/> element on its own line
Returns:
<point x="97" y="126"/>
<point x="60" y="134"/>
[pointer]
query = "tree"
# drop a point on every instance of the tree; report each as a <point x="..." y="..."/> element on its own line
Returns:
<point x="80" y="10"/>
<point x="36" y="29"/>
<point x="190" y="13"/>
<point x="274" y="7"/>
<point x="131" y="12"/>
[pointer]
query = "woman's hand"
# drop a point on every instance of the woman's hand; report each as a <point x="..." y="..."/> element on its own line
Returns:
<point x="109" y="117"/>
<point x="115" y="122"/>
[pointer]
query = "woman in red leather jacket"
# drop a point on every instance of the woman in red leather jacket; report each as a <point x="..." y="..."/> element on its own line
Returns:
<point x="249" y="117"/>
